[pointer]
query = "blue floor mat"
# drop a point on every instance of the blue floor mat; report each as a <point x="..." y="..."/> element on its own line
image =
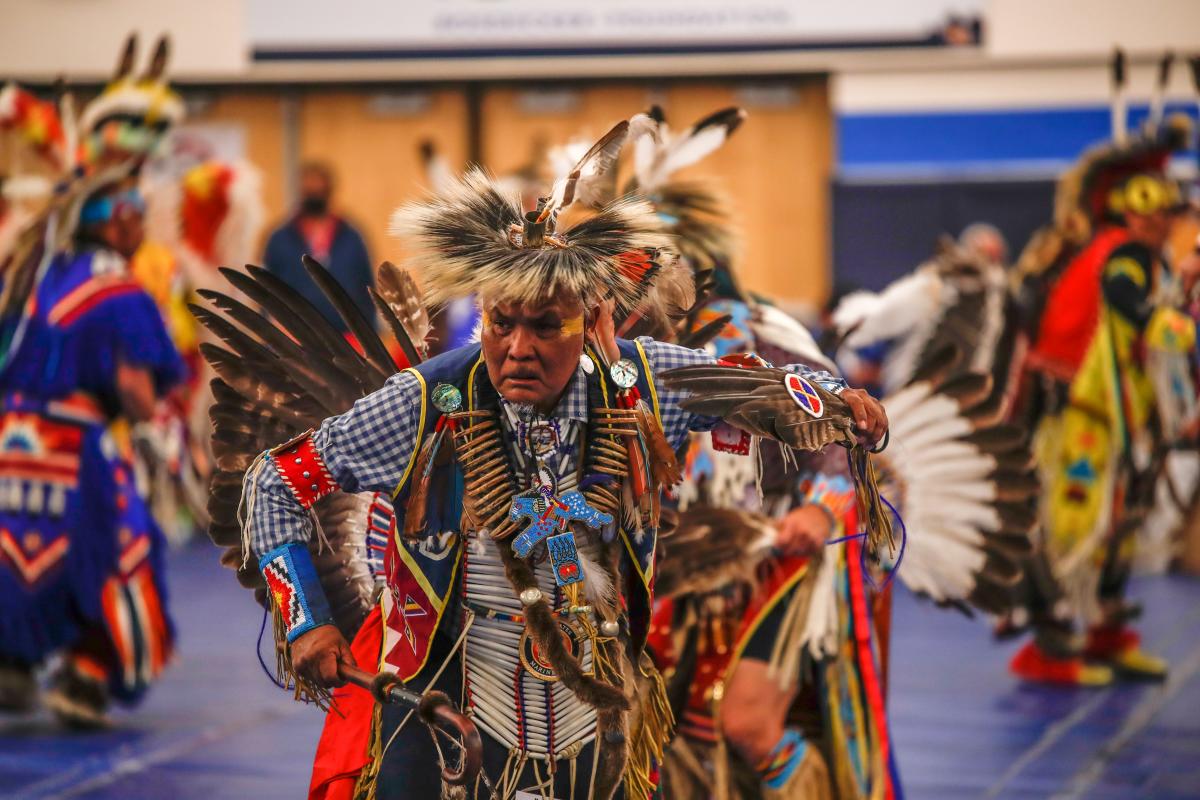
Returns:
<point x="215" y="727"/>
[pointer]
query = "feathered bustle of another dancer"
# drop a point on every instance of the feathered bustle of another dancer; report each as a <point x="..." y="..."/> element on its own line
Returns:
<point x="965" y="482"/>
<point x="695" y="211"/>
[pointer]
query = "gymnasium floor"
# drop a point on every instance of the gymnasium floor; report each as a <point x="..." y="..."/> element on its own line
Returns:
<point x="215" y="728"/>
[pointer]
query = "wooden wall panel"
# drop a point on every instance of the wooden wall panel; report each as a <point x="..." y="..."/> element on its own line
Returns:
<point x="371" y="139"/>
<point x="776" y="171"/>
<point x="518" y="123"/>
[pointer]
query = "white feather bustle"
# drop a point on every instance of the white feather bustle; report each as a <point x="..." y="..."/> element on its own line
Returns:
<point x="908" y="310"/>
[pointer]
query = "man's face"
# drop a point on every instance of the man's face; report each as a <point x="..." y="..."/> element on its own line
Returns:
<point x="314" y="192"/>
<point x="1150" y="229"/>
<point x="531" y="352"/>
<point x="125" y="230"/>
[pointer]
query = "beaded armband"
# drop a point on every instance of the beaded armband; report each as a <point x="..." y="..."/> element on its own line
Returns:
<point x="295" y="589"/>
<point x="302" y="470"/>
<point x="833" y="494"/>
<point x="725" y="437"/>
<point x="779" y="767"/>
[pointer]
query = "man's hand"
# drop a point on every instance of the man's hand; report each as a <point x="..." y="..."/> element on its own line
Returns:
<point x="869" y="417"/>
<point x="803" y="531"/>
<point x="315" y="656"/>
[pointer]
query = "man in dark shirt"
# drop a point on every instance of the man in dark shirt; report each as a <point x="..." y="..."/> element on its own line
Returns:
<point x="328" y="238"/>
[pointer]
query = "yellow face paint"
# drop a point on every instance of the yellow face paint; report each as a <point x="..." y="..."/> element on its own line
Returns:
<point x="572" y="327"/>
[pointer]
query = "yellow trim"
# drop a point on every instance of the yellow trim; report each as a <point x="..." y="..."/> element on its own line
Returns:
<point x="412" y="458"/>
<point x="438" y="601"/>
<point x="767" y="608"/>
<point x="649" y="381"/>
<point x="646" y="579"/>
<point x="1128" y="267"/>
<point x="471" y="382"/>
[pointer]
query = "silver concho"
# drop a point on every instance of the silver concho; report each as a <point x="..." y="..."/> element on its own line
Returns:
<point x="447" y="398"/>
<point x="624" y="373"/>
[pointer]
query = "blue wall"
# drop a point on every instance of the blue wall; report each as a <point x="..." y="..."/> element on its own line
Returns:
<point x="997" y="141"/>
<point x="904" y="179"/>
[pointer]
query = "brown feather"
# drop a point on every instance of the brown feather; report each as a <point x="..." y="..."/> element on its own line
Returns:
<point x="414" y="519"/>
<point x="664" y="467"/>
<point x="398" y="289"/>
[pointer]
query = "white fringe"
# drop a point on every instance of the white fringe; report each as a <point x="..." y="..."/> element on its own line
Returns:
<point x="245" y="511"/>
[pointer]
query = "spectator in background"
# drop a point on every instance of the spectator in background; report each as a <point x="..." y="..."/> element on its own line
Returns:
<point x="985" y="240"/>
<point x="316" y="231"/>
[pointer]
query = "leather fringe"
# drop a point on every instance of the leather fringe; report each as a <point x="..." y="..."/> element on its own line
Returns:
<point x="285" y="673"/>
<point x="364" y="787"/>
<point x="653" y="725"/>
<point x="873" y="514"/>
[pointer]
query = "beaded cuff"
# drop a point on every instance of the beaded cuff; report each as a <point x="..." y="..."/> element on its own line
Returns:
<point x="295" y="589"/>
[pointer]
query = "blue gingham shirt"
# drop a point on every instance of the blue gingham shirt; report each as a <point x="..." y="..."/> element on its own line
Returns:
<point x="367" y="448"/>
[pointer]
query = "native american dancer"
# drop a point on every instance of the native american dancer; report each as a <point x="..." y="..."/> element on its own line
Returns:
<point x="734" y="604"/>
<point x="735" y="590"/>
<point x="85" y="353"/>
<point x="1103" y="335"/>
<point x="525" y="474"/>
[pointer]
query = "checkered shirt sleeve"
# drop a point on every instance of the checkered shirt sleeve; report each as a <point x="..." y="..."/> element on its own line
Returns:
<point x="677" y="422"/>
<point x="366" y="450"/>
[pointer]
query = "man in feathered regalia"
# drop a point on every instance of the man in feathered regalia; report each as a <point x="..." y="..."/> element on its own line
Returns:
<point x="1102" y="329"/>
<point x="525" y="473"/>
<point x="84" y="354"/>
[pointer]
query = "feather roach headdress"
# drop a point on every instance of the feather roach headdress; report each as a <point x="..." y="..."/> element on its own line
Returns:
<point x="134" y="112"/>
<point x="473" y="238"/>
<point x="1082" y="195"/>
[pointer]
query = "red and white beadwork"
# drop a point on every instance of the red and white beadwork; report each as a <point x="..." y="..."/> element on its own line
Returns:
<point x="302" y="470"/>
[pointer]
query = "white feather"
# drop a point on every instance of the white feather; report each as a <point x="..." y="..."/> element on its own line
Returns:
<point x="889" y="314"/>
<point x="899" y="403"/>
<point x="686" y="151"/>
<point x="775" y="327"/>
<point x="820" y="634"/>
<point x="597" y="583"/>
<point x="907" y="311"/>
